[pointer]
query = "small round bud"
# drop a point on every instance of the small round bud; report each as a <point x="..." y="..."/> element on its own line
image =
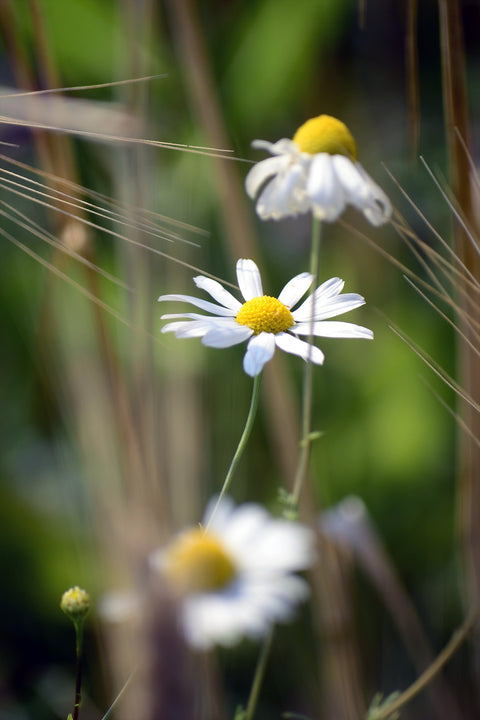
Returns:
<point x="75" y="603"/>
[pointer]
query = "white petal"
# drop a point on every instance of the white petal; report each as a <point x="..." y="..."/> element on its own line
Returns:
<point x="336" y="329"/>
<point x="320" y="297"/>
<point x="174" y="326"/>
<point x="295" y="289"/>
<point x="352" y="181"/>
<point x="198" y="302"/>
<point x="218" y="292"/>
<point x="284" y="195"/>
<point x="249" y="279"/>
<point x="260" y="350"/>
<point x="276" y="596"/>
<point x="245" y="525"/>
<point x="188" y="328"/>
<point x="198" y="316"/>
<point x="264" y="145"/>
<point x="318" y="308"/>
<point x="362" y="191"/>
<point x="282" y="546"/>
<point x="222" y="619"/>
<point x="219" y="337"/>
<point x="324" y="189"/>
<point x="380" y="208"/>
<point x="290" y="344"/>
<point x="263" y="170"/>
<point x="331" y="287"/>
<point x="284" y="146"/>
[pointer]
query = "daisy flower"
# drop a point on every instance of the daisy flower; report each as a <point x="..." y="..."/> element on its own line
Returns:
<point x="237" y="577"/>
<point x="266" y="322"/>
<point x="317" y="171"/>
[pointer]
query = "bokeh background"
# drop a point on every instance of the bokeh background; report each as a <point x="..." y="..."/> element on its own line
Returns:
<point x="113" y="436"/>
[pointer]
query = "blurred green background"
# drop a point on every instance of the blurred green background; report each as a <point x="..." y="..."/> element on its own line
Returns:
<point x="235" y="71"/>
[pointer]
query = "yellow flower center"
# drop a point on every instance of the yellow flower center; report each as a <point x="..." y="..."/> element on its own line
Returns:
<point x="265" y="314"/>
<point x="326" y="134"/>
<point x="198" y="562"/>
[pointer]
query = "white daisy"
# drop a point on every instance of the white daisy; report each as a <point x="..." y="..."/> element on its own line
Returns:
<point x="236" y="578"/>
<point x="317" y="171"/>
<point x="267" y="322"/>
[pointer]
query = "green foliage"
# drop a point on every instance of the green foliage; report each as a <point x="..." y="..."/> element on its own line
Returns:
<point x="258" y="70"/>
<point x="379" y="430"/>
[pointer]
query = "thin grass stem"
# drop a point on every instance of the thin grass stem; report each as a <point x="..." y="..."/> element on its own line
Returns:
<point x="242" y="443"/>
<point x="420" y="683"/>
<point x="259" y="675"/>
<point x="78" y="670"/>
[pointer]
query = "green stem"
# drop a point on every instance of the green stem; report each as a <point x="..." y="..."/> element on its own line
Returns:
<point x="302" y="463"/>
<point x="78" y="671"/>
<point x="258" y="677"/>
<point x="242" y="444"/>
<point x="427" y="676"/>
<point x="306" y="438"/>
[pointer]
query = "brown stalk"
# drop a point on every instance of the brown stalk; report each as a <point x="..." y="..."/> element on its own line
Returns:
<point x="457" y="124"/>
<point x="413" y="87"/>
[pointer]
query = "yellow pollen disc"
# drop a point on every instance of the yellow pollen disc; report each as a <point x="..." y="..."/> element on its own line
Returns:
<point x="265" y="314"/>
<point x="326" y="134"/>
<point x="198" y="562"/>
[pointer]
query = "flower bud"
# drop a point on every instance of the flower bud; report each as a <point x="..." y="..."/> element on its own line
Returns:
<point x="75" y="603"/>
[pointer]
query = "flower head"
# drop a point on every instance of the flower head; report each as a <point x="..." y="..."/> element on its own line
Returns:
<point x="75" y="603"/>
<point x="235" y="578"/>
<point x="267" y="322"/>
<point x="317" y="171"/>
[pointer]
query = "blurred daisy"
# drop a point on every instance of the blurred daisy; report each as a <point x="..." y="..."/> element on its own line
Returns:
<point x="236" y="578"/>
<point x="267" y="322"/>
<point x="317" y="171"/>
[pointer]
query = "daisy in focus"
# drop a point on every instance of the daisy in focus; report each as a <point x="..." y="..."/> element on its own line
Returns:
<point x="236" y="578"/>
<point x="266" y="322"/>
<point x="317" y="171"/>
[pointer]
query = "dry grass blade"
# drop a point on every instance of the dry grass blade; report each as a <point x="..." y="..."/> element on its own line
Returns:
<point x="126" y="208"/>
<point x="437" y="369"/>
<point x="108" y="231"/>
<point x="38" y="231"/>
<point x="74" y="202"/>
<point x="59" y="273"/>
<point x="77" y="88"/>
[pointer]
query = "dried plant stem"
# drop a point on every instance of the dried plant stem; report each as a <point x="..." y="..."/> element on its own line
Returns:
<point x="203" y="94"/>
<point x="430" y="673"/>
<point x="457" y="124"/>
<point x="413" y="90"/>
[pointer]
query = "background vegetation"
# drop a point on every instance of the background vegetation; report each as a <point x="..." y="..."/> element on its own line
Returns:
<point x="112" y="436"/>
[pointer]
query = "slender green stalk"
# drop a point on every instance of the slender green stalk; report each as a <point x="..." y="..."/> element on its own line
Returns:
<point x="243" y="442"/>
<point x="306" y="438"/>
<point x="427" y="676"/>
<point x="302" y="463"/>
<point x="78" y="671"/>
<point x="258" y="677"/>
